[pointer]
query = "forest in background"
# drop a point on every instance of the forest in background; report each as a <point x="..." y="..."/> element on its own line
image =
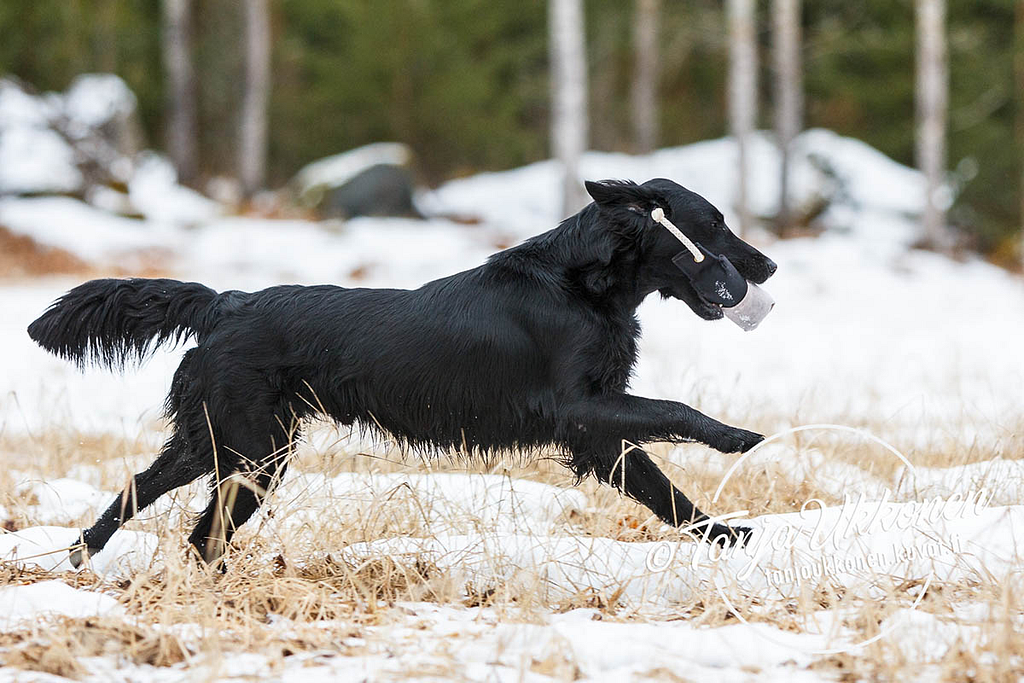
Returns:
<point x="466" y="82"/>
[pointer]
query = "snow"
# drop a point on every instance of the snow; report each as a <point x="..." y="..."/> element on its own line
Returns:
<point x="871" y="194"/>
<point x="1002" y="479"/>
<point x="44" y="140"/>
<point x="657" y="573"/>
<point x="443" y="501"/>
<point x="869" y="178"/>
<point x="556" y="565"/>
<point x="612" y="648"/>
<point x="62" y="500"/>
<point x="33" y="157"/>
<point x="48" y="547"/>
<point x="94" y="100"/>
<point x="154" y="191"/>
<point x="19" y="109"/>
<point x="909" y="344"/>
<point x="88" y="232"/>
<point x="26" y="605"/>
<point x="36" y="160"/>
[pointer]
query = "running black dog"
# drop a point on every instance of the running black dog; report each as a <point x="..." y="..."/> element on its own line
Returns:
<point x="533" y="349"/>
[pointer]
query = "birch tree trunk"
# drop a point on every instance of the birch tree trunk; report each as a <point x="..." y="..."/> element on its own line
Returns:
<point x="645" y="75"/>
<point x="788" y="96"/>
<point x="932" y="104"/>
<point x="182" y="130"/>
<point x="252" y="139"/>
<point x="569" y="97"/>
<point x="742" y="96"/>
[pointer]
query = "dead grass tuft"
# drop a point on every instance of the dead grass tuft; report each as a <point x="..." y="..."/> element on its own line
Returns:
<point x="22" y="256"/>
<point x="285" y="596"/>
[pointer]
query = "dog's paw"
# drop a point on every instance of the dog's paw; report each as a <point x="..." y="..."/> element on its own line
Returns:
<point x="737" y="441"/>
<point x="78" y="556"/>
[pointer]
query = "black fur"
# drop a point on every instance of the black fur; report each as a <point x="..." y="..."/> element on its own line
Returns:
<point x="533" y="349"/>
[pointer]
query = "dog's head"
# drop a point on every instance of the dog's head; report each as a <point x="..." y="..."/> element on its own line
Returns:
<point x="628" y="206"/>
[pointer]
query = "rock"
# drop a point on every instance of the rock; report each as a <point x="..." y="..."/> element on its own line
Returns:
<point x="374" y="180"/>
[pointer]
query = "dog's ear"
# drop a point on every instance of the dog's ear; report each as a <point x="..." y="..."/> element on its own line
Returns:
<point x="618" y="196"/>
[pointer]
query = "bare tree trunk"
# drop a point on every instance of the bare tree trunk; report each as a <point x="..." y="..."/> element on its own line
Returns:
<point x="932" y="105"/>
<point x="182" y="130"/>
<point x="742" y="95"/>
<point x="252" y="139"/>
<point x="569" y="95"/>
<point x="645" y="75"/>
<point x="789" y="96"/>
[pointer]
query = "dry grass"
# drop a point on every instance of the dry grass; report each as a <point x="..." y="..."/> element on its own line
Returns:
<point x="23" y="257"/>
<point x="184" y="614"/>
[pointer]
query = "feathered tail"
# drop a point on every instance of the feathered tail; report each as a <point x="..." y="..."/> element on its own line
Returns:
<point x="111" y="322"/>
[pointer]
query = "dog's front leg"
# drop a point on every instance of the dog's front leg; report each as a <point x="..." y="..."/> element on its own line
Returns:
<point x="633" y="472"/>
<point x="639" y="420"/>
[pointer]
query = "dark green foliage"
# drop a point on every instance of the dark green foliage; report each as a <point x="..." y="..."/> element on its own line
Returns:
<point x="465" y="82"/>
<point x="860" y="82"/>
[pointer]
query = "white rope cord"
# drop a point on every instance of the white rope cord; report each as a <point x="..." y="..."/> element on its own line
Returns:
<point x="659" y="217"/>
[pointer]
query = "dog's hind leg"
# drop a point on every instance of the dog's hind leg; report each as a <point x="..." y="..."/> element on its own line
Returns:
<point x="631" y="470"/>
<point x="175" y="466"/>
<point x="252" y="453"/>
<point x="234" y="501"/>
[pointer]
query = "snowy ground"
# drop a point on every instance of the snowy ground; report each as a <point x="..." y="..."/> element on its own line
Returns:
<point x="918" y="350"/>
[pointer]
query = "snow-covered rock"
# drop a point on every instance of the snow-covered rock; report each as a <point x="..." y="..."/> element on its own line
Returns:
<point x="338" y="169"/>
<point x="373" y="180"/>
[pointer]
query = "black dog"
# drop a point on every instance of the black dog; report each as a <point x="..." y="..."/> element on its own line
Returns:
<point x="532" y="349"/>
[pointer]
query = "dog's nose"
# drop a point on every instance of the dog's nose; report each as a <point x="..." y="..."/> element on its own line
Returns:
<point x="772" y="267"/>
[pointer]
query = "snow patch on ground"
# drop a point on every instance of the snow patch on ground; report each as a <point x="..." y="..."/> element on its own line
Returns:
<point x="61" y="500"/>
<point x="29" y="605"/>
<point x="49" y="547"/>
<point x="154" y="191"/>
<point x="88" y="232"/>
